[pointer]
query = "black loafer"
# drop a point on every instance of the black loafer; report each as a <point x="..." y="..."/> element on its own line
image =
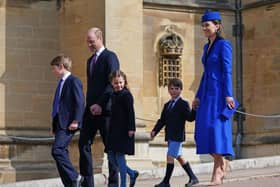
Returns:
<point x="192" y="182"/>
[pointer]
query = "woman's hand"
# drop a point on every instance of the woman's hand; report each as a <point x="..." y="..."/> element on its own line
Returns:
<point x="230" y="102"/>
<point x="195" y="103"/>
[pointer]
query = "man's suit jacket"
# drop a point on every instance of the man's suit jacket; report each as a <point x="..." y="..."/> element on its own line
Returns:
<point x="98" y="85"/>
<point x="174" y="120"/>
<point x="71" y="103"/>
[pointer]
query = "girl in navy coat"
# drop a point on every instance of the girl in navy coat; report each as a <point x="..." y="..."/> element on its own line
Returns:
<point x="122" y="127"/>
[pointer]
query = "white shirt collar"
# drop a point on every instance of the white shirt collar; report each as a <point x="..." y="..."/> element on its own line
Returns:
<point x="100" y="51"/>
<point x="176" y="99"/>
<point x="66" y="75"/>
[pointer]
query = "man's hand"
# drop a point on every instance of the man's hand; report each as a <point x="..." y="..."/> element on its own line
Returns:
<point x="96" y="109"/>
<point x="73" y="126"/>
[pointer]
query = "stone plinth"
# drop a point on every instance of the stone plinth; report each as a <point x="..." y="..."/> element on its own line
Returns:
<point x="31" y="159"/>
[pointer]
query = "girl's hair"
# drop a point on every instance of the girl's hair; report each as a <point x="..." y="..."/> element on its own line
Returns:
<point x="62" y="59"/>
<point x="119" y="73"/>
<point x="220" y="32"/>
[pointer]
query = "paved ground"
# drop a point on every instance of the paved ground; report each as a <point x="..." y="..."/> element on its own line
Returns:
<point x="254" y="172"/>
<point x="262" y="177"/>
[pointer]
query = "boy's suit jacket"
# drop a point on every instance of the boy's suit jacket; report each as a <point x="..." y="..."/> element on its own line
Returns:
<point x="71" y="103"/>
<point x="98" y="83"/>
<point x="174" y="120"/>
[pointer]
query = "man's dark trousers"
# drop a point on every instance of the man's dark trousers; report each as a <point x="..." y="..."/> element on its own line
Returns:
<point x="88" y="132"/>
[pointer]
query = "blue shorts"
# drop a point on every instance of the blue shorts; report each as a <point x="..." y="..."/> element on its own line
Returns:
<point x="174" y="149"/>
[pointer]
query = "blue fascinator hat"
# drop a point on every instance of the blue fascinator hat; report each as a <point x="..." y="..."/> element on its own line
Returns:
<point x="211" y="16"/>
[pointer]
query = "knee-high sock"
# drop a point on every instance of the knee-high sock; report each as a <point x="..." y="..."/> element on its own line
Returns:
<point x="168" y="173"/>
<point x="189" y="171"/>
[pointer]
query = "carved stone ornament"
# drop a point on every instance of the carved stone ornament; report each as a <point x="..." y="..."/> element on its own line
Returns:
<point x="170" y="44"/>
<point x="170" y="50"/>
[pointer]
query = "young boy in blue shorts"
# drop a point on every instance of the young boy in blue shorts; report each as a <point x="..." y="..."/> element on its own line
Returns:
<point x="173" y="116"/>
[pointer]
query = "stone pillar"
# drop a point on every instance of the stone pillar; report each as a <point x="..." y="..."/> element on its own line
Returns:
<point x="124" y="35"/>
<point x="75" y="18"/>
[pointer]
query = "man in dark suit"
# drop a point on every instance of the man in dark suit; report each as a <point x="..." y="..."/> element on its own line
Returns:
<point x="173" y="116"/>
<point x="68" y="109"/>
<point x="99" y="89"/>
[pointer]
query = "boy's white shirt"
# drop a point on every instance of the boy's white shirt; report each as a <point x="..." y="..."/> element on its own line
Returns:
<point x="64" y="77"/>
<point x="175" y="100"/>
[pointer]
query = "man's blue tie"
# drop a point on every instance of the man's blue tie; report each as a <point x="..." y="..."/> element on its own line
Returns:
<point x="56" y="99"/>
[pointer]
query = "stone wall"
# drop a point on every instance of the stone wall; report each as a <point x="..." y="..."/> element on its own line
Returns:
<point x="261" y="76"/>
<point x="29" y="39"/>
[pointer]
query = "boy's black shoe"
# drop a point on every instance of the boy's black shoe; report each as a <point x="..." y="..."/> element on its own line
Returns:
<point x="162" y="184"/>
<point x="192" y="182"/>
<point x="133" y="179"/>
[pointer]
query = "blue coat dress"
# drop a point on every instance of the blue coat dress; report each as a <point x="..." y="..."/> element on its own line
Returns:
<point x="213" y="133"/>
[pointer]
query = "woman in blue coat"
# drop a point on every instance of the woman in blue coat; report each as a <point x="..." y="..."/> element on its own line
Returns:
<point x="213" y="133"/>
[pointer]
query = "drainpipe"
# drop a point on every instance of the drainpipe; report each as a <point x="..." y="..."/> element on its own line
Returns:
<point x="238" y="34"/>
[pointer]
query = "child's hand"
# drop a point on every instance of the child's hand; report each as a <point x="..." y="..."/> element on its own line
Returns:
<point x="153" y="134"/>
<point x="96" y="110"/>
<point x="73" y="126"/>
<point x="131" y="133"/>
<point x="195" y="103"/>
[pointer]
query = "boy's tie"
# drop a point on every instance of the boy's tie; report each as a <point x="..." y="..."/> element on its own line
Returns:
<point x="56" y="99"/>
<point x="170" y="104"/>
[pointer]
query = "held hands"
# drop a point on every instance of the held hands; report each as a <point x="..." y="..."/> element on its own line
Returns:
<point x="195" y="103"/>
<point x="230" y="102"/>
<point x="73" y="126"/>
<point x="96" y="109"/>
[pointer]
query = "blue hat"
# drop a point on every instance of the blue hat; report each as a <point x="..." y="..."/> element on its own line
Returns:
<point x="210" y="16"/>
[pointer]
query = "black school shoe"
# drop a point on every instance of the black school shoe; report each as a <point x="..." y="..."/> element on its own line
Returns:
<point x="192" y="182"/>
<point x="162" y="184"/>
